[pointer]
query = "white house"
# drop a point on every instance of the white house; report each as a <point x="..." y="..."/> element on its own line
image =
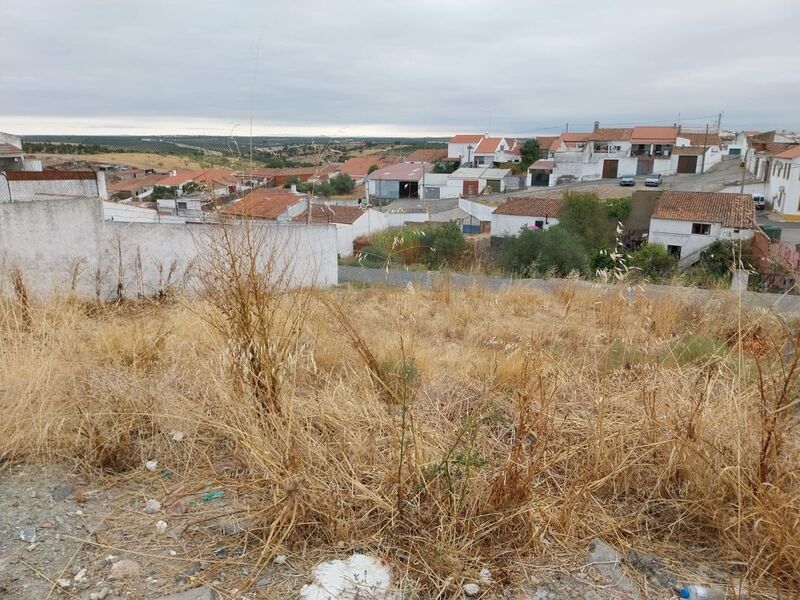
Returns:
<point x="517" y="213"/>
<point x="187" y="205"/>
<point x="495" y="150"/>
<point x="351" y="222"/>
<point x="784" y="184"/>
<point x="688" y="222"/>
<point x="472" y="181"/>
<point x="463" y="147"/>
<point x="274" y="204"/>
<point x="440" y="186"/>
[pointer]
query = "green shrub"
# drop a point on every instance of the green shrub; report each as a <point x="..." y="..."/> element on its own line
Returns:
<point x="541" y="251"/>
<point x="724" y="255"/>
<point x="618" y="209"/>
<point x="652" y="261"/>
<point x="584" y="215"/>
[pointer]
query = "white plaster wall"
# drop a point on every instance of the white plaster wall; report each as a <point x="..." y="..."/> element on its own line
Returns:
<point x="369" y="223"/>
<point x="477" y="210"/>
<point x="65" y="246"/>
<point x="786" y="202"/>
<point x="400" y="219"/>
<point x="669" y="232"/>
<point x="511" y="224"/>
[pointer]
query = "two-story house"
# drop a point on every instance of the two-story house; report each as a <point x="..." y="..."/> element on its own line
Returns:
<point x="784" y="183"/>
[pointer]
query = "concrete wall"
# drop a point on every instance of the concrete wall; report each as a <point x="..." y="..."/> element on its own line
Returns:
<point x="784" y="188"/>
<point x="28" y="191"/>
<point x="369" y="223"/>
<point x="511" y="224"/>
<point x="401" y="219"/>
<point x="64" y="246"/>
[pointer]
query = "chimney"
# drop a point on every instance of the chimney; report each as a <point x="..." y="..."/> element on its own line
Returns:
<point x="173" y="173"/>
<point x="294" y="188"/>
<point x="679" y="128"/>
<point x="596" y="125"/>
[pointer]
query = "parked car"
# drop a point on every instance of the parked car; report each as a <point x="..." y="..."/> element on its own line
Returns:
<point x="654" y="180"/>
<point x="627" y="181"/>
<point x="759" y="201"/>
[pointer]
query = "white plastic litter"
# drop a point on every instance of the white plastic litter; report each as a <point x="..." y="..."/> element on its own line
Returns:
<point x="359" y="576"/>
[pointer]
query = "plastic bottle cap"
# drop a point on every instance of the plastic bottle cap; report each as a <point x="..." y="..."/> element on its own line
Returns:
<point x="685" y="593"/>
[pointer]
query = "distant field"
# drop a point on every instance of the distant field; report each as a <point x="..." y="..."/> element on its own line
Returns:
<point x="134" y="159"/>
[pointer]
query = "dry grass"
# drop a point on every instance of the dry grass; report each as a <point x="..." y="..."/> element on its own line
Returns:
<point x="446" y="430"/>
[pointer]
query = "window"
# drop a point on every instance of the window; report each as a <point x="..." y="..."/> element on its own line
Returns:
<point x="701" y="228"/>
<point x="182" y="205"/>
<point x="539" y="224"/>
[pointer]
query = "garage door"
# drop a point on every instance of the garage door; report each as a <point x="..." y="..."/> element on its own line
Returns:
<point x="644" y="166"/>
<point x="610" y="168"/>
<point x="470" y="188"/>
<point x="687" y="164"/>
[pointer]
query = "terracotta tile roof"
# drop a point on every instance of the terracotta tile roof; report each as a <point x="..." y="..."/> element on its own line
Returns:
<point x="732" y="210"/>
<point x="264" y="203"/>
<point x="793" y="152"/>
<point x="571" y="140"/>
<point x="217" y="175"/>
<point x="692" y="150"/>
<point x="654" y="135"/>
<point x="543" y="165"/>
<point x="179" y="178"/>
<point x="607" y="134"/>
<point x="134" y="183"/>
<point x="530" y="207"/>
<point x="357" y="166"/>
<point x="697" y="139"/>
<point x="331" y="213"/>
<point x="428" y="154"/>
<point x="49" y="175"/>
<point x="488" y="145"/>
<point x="468" y="138"/>
<point x="275" y="172"/>
<point x="546" y="141"/>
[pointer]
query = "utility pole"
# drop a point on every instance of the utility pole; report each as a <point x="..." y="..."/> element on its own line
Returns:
<point x="705" y="146"/>
<point x="719" y="122"/>
<point x="566" y="128"/>
<point x="744" y="171"/>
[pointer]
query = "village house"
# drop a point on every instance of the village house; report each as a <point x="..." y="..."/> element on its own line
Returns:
<point x="462" y="147"/>
<point x="137" y="188"/>
<point x="11" y="154"/>
<point x="686" y="223"/>
<point x="351" y="222"/>
<point x="177" y="180"/>
<point x="493" y="151"/>
<point x="358" y="167"/>
<point x="274" y="204"/>
<point x="784" y="183"/>
<point x="529" y="213"/>
<point x="473" y="181"/>
<point x="402" y="180"/>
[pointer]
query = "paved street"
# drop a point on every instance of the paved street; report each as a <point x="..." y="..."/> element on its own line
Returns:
<point x="782" y="304"/>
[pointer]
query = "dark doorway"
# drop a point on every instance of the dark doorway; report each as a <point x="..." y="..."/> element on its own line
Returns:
<point x="687" y="164"/>
<point x="610" y="168"/>
<point x="674" y="251"/>
<point x="409" y="189"/>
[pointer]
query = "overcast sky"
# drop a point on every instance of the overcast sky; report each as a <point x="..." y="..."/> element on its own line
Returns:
<point x="395" y="67"/>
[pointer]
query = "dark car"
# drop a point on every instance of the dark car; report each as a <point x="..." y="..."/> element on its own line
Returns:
<point x="627" y="181"/>
<point x="654" y="180"/>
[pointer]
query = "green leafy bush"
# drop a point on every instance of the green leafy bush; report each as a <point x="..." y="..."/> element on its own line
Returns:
<point x="652" y="261"/>
<point x="542" y="251"/>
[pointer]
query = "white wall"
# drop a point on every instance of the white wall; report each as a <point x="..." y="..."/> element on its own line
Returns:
<point x="456" y="150"/>
<point x="668" y="232"/>
<point x="400" y="219"/>
<point x="477" y="210"/>
<point x="66" y="245"/>
<point x="785" y="190"/>
<point x="511" y="224"/>
<point x="369" y="223"/>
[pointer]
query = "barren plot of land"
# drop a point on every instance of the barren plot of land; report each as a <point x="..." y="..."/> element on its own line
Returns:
<point x="461" y="437"/>
<point x="142" y="160"/>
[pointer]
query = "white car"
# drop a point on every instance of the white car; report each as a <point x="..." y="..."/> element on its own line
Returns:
<point x="759" y="201"/>
<point x="654" y="180"/>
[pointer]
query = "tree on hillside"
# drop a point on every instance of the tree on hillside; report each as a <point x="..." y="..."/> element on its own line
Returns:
<point x="585" y="216"/>
<point x="538" y="252"/>
<point x="372" y="168"/>
<point x="342" y="184"/>
<point x="530" y="152"/>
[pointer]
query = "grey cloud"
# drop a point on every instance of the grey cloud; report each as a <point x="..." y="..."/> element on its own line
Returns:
<point x="418" y="65"/>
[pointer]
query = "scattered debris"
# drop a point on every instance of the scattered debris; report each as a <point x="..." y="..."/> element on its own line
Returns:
<point x="28" y="534"/>
<point x="100" y="595"/>
<point x="607" y="562"/>
<point x="485" y="577"/>
<point x="62" y="492"/>
<point x="178" y="507"/>
<point x="212" y="495"/>
<point x="177" y="436"/>
<point x="279" y="560"/>
<point x="201" y="593"/>
<point x="63" y="583"/>
<point x="152" y="506"/>
<point x="151" y="465"/>
<point x="80" y="576"/>
<point x="357" y="577"/>
<point x="161" y="526"/>
<point x="471" y="589"/>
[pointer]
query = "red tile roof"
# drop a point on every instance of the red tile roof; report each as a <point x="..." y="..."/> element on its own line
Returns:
<point x="10" y="150"/>
<point x="217" y="175"/>
<point x="488" y="145"/>
<point x="179" y="178"/>
<point x="700" y="139"/>
<point x="135" y="183"/>
<point x="732" y="210"/>
<point x="331" y="213"/>
<point x="543" y="165"/>
<point x="790" y="153"/>
<point x="49" y="175"/>
<point x="468" y="138"/>
<point x="530" y="207"/>
<point x="649" y="134"/>
<point x="546" y="141"/>
<point x="264" y="203"/>
<point x="691" y="150"/>
<point x="357" y="166"/>
<point x="606" y="134"/>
